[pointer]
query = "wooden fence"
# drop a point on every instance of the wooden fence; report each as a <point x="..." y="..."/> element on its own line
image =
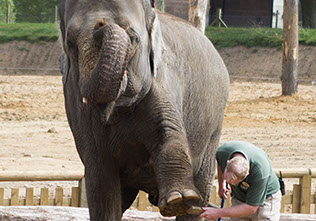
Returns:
<point x="43" y="199"/>
<point x="300" y="199"/>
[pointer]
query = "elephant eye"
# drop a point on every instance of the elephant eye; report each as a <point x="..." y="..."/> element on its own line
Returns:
<point x="70" y="44"/>
<point x="135" y="38"/>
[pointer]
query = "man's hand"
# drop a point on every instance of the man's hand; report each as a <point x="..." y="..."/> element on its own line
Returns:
<point x="223" y="190"/>
<point x="211" y="213"/>
<point x="234" y="211"/>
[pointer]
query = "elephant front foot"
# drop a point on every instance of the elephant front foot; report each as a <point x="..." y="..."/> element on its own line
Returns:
<point x="178" y="203"/>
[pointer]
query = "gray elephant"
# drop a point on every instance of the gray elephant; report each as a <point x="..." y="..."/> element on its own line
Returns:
<point x="145" y="94"/>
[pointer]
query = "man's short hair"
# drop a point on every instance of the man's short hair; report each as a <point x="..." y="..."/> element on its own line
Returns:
<point x="239" y="167"/>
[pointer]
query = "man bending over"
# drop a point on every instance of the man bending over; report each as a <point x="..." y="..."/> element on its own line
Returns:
<point x="247" y="171"/>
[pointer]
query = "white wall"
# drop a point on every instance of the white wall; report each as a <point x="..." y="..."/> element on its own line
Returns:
<point x="278" y="5"/>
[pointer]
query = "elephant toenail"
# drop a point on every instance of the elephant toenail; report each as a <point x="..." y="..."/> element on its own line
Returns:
<point x="190" y="194"/>
<point x="174" y="198"/>
<point x="162" y="204"/>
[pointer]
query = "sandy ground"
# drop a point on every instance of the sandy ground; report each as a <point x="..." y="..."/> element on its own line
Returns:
<point x="35" y="136"/>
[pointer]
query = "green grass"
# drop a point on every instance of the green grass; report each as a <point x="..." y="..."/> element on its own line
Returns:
<point x="221" y="37"/>
<point x="255" y="37"/>
<point x="30" y="32"/>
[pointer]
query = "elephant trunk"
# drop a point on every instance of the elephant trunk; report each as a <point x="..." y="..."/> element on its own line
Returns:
<point x="108" y="77"/>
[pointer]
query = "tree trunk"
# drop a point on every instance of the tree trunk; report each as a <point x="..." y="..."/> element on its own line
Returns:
<point x="309" y="13"/>
<point x="160" y="5"/>
<point x="290" y="47"/>
<point x="197" y="13"/>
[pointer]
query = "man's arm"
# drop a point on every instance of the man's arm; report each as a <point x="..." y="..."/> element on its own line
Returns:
<point x="234" y="211"/>
<point x="223" y="189"/>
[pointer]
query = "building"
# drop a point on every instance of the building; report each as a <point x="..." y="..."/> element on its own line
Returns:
<point x="244" y="13"/>
<point x="236" y="13"/>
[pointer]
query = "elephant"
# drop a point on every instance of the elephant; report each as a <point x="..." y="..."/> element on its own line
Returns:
<point x="145" y="94"/>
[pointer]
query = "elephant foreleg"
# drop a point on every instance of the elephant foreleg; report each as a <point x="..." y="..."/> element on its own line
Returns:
<point x="204" y="178"/>
<point x="177" y="191"/>
<point x="103" y="190"/>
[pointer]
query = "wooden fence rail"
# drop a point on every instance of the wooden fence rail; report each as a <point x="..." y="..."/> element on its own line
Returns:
<point x="300" y="200"/>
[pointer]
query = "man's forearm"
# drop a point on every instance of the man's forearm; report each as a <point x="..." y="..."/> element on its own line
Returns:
<point x="238" y="211"/>
<point x="235" y="211"/>
<point x="219" y="175"/>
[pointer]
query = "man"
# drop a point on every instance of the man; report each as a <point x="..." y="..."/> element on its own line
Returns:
<point x="247" y="170"/>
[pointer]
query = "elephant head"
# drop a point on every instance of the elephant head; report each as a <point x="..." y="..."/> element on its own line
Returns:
<point x="112" y="48"/>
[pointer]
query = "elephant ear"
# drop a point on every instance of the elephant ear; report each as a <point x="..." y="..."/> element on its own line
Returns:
<point x="64" y="66"/>
<point x="156" y="44"/>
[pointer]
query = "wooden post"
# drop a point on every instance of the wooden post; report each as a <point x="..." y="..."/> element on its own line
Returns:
<point x="306" y="190"/>
<point x="29" y="197"/>
<point x="315" y="204"/>
<point x="44" y="197"/>
<point x="218" y="20"/>
<point x="155" y="209"/>
<point x="14" y="197"/>
<point x="213" y="195"/>
<point x="142" y="198"/>
<point x="218" y="16"/>
<point x="276" y="18"/>
<point x="83" y="194"/>
<point x="59" y="196"/>
<point x="296" y="198"/>
<point x="227" y="201"/>
<point x="75" y="196"/>
<point x="1" y="196"/>
<point x="282" y="204"/>
<point x="56" y="14"/>
<point x="290" y="47"/>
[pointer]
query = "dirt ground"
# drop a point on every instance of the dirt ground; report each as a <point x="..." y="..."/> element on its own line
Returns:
<point x="34" y="132"/>
<point x="35" y="136"/>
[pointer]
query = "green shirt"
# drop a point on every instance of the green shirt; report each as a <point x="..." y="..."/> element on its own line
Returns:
<point x="261" y="181"/>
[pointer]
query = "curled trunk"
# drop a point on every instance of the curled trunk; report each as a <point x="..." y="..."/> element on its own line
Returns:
<point x="106" y="75"/>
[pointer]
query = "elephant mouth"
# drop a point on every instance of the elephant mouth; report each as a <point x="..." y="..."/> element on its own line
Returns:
<point x="108" y="108"/>
<point x="104" y="82"/>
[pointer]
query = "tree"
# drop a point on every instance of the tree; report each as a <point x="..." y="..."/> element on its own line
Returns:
<point x="290" y="47"/>
<point x="7" y="11"/>
<point x="309" y="13"/>
<point x="197" y="13"/>
<point x="36" y="11"/>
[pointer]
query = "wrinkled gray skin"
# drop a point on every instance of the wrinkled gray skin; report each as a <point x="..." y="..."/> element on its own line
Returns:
<point x="145" y="95"/>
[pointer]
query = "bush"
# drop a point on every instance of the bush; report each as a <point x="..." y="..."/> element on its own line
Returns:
<point x="28" y="32"/>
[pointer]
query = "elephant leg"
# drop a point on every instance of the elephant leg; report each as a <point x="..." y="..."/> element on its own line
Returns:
<point x="177" y="191"/>
<point x="205" y="176"/>
<point x="128" y="197"/>
<point x="103" y="190"/>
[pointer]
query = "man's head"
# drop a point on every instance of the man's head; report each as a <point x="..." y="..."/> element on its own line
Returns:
<point x="236" y="170"/>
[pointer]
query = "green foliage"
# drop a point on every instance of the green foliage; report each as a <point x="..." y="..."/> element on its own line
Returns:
<point x="36" y="11"/>
<point x="307" y="36"/>
<point x="7" y="6"/>
<point x="255" y="37"/>
<point x="248" y="37"/>
<point x="221" y="37"/>
<point x="29" y="32"/>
